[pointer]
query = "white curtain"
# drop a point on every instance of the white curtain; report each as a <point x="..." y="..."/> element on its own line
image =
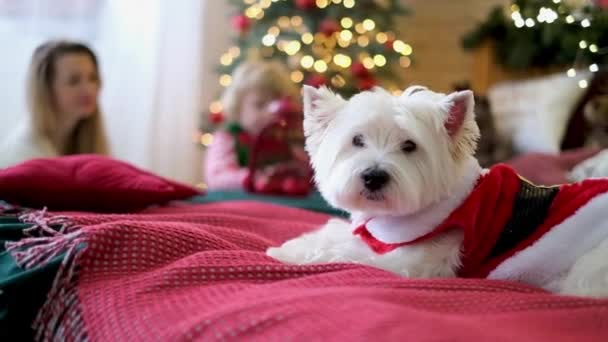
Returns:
<point x="157" y="59"/>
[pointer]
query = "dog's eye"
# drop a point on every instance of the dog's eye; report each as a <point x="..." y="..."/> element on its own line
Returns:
<point x="408" y="146"/>
<point x="358" y="141"/>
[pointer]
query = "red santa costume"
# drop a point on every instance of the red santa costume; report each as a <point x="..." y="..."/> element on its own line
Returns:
<point x="515" y="230"/>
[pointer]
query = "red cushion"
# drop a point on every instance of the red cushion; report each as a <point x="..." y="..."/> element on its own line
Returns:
<point x="87" y="183"/>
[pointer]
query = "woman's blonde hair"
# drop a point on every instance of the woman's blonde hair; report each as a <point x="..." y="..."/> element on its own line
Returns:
<point x="267" y="76"/>
<point x="89" y="135"/>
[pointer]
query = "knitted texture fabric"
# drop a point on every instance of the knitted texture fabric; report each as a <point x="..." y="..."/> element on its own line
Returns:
<point x="199" y="272"/>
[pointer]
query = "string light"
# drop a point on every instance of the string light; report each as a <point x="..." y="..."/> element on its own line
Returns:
<point x="253" y="11"/>
<point x="216" y="107"/>
<point x="297" y="76"/>
<point x="269" y="40"/>
<point x="582" y="44"/>
<point x="547" y="15"/>
<point x="369" y="24"/>
<point x="343" y="43"/>
<point x="407" y="50"/>
<point x="322" y="3"/>
<point x="296" y="20"/>
<point x="342" y="60"/>
<point x="530" y="22"/>
<point x="307" y="62"/>
<point x="594" y="68"/>
<point x="516" y="16"/>
<point x="570" y="19"/>
<point x="234" y="51"/>
<point x="379" y="60"/>
<point x="556" y="1"/>
<point x="593" y="48"/>
<point x="571" y="72"/>
<point x="346" y="22"/>
<point x="363" y="41"/>
<point x="349" y="3"/>
<point x="583" y="84"/>
<point x="405" y="61"/>
<point x="225" y="80"/>
<point x="368" y="63"/>
<point x="359" y="28"/>
<point x="281" y="45"/>
<point x="292" y="47"/>
<point x="337" y="1"/>
<point x="381" y="37"/>
<point x="346" y="35"/>
<point x="307" y="38"/>
<point x="399" y="46"/>
<point x="283" y="22"/>
<point x="265" y="3"/>
<point x="206" y="139"/>
<point x="585" y="23"/>
<point x="320" y="66"/>
<point x="226" y="59"/>
<point x="274" y="30"/>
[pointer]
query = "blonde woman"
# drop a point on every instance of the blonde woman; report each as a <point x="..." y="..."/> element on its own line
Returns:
<point x="255" y="84"/>
<point x="63" y="88"/>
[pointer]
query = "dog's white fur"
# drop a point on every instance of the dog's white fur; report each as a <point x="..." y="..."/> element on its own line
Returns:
<point x="425" y="185"/>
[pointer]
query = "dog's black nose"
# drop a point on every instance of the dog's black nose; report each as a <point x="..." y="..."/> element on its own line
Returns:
<point x="374" y="179"/>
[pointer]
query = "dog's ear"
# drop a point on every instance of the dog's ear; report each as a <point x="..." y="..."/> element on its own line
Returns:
<point x="320" y="108"/>
<point x="459" y="121"/>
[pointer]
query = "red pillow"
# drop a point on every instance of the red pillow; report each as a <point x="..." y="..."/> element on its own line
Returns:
<point x="87" y="183"/>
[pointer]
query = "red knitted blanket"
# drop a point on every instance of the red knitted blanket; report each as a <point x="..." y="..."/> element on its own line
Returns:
<point x="200" y="273"/>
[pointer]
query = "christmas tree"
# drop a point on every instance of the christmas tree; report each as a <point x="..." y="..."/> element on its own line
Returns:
<point x="572" y="34"/>
<point x="348" y="45"/>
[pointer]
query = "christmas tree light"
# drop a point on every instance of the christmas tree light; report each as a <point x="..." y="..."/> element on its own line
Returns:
<point x="550" y="33"/>
<point x="348" y="45"/>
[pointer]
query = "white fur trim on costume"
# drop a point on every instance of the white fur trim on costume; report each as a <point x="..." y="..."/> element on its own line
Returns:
<point x="556" y="251"/>
<point x="399" y="229"/>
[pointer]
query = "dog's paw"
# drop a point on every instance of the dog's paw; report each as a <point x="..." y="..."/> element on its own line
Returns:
<point x="283" y="254"/>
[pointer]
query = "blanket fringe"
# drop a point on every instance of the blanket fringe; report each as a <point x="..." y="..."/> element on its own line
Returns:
<point x="60" y="317"/>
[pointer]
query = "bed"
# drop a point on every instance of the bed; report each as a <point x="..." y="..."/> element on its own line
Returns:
<point x="191" y="266"/>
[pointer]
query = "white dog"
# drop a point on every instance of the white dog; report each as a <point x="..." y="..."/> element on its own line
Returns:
<point x="421" y="206"/>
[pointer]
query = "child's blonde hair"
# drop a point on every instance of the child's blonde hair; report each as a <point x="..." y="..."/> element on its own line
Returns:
<point x="267" y="76"/>
<point x="89" y="135"/>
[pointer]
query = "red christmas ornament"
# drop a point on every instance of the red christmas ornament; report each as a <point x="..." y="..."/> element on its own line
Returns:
<point x="245" y="139"/>
<point x="602" y="3"/>
<point x="305" y="4"/>
<point x="268" y="185"/>
<point x="241" y="23"/>
<point x="328" y="27"/>
<point x="359" y="70"/>
<point x="295" y="186"/>
<point x="389" y="44"/>
<point x="216" y="118"/>
<point x="284" y="106"/>
<point x="366" y="83"/>
<point x="316" y="80"/>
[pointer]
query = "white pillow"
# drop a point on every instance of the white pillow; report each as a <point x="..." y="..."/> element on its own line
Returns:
<point x="595" y="167"/>
<point x="533" y="114"/>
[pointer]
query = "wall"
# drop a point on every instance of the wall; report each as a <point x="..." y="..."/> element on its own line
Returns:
<point x="434" y="30"/>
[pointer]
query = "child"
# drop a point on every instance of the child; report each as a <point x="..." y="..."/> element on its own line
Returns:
<point x="255" y="84"/>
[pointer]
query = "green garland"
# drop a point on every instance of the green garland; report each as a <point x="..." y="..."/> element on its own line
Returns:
<point x="523" y="39"/>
